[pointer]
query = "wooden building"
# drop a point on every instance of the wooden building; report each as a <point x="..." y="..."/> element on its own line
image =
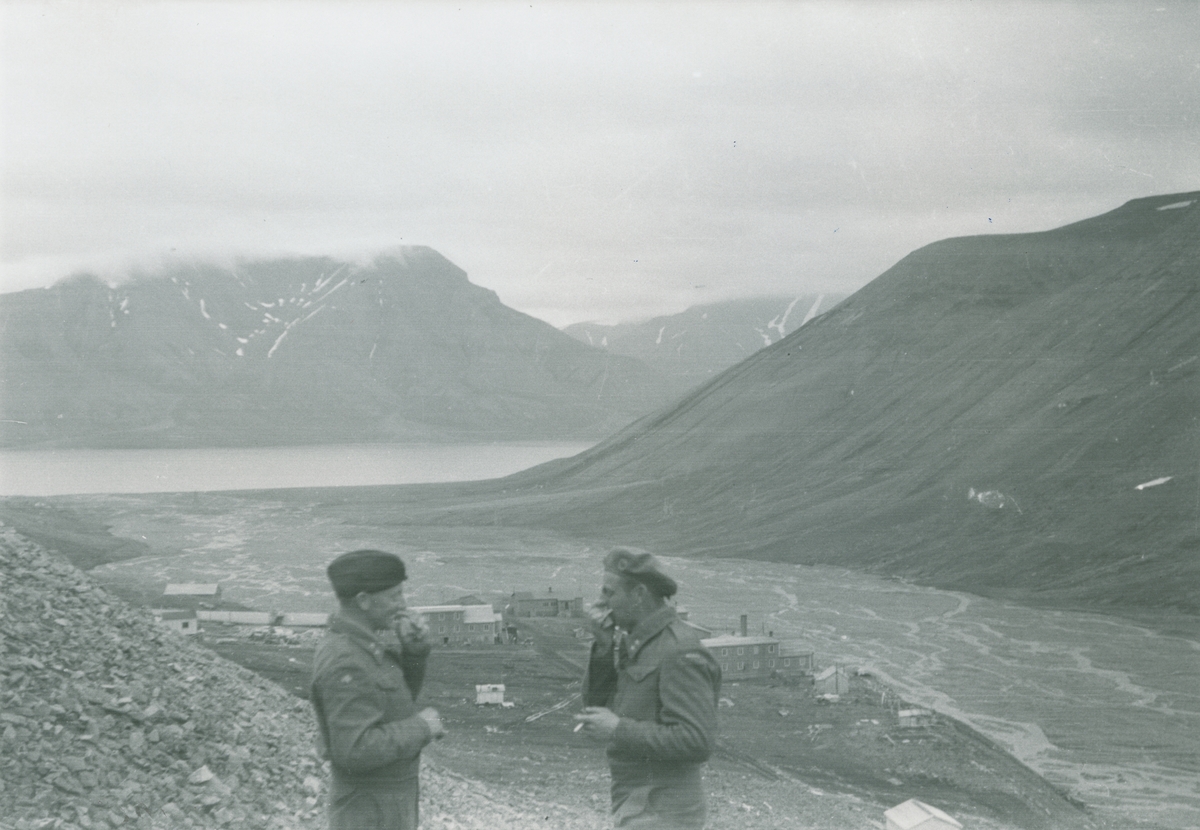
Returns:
<point x="191" y="595"/>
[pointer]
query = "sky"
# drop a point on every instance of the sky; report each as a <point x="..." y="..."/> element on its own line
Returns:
<point x="587" y="161"/>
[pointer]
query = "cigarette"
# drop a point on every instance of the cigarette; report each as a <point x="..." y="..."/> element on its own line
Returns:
<point x="578" y="726"/>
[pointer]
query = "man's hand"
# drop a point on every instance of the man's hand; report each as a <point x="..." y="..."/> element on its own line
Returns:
<point x="601" y="623"/>
<point x="413" y="632"/>
<point x="598" y="721"/>
<point x="434" y="720"/>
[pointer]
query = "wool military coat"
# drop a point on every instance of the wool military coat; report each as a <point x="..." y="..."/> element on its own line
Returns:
<point x="663" y="684"/>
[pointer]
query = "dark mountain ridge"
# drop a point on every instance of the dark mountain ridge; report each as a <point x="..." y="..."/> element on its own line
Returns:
<point x="1015" y="416"/>
<point x="299" y="351"/>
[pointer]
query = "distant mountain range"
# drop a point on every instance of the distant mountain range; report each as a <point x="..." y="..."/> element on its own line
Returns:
<point x="1016" y="416"/>
<point x="706" y="339"/>
<point x="301" y="351"/>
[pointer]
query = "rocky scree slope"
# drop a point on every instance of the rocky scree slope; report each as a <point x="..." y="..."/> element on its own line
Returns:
<point x="300" y="351"/>
<point x="109" y="721"/>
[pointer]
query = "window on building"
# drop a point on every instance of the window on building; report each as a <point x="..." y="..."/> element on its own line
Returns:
<point x="741" y="650"/>
<point x="770" y="649"/>
<point x="756" y="649"/>
<point x="741" y="666"/>
<point x="770" y="664"/>
<point x="756" y="664"/>
<point x="724" y="667"/>
<point x="724" y="652"/>
<point x="787" y="661"/>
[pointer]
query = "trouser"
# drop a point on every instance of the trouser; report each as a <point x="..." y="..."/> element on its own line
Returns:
<point x="662" y="808"/>
<point x="374" y="807"/>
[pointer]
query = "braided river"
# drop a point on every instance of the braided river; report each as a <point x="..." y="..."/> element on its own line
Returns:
<point x="1105" y="707"/>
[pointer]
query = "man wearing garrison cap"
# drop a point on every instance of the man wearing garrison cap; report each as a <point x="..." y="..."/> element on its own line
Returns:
<point x="367" y="673"/>
<point x="650" y="693"/>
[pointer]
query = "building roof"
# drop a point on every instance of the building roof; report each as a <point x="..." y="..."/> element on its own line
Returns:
<point x="191" y="589"/>
<point x="913" y="814"/>
<point x="794" y="648"/>
<point x="468" y="610"/>
<point x="314" y="618"/>
<point x="829" y="671"/>
<point x="726" y="640"/>
<point x="480" y="614"/>
<point x="172" y="614"/>
<point x="704" y="632"/>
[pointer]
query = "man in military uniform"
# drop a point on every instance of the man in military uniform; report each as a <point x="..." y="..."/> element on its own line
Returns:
<point x="367" y="673"/>
<point x="650" y="693"/>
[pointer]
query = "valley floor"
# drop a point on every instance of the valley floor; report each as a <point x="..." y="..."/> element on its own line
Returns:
<point x="785" y="759"/>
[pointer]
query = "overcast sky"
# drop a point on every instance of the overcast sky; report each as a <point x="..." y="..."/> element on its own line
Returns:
<point x="586" y="161"/>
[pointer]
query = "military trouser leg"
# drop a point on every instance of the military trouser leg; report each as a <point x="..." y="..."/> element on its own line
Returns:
<point x="394" y="808"/>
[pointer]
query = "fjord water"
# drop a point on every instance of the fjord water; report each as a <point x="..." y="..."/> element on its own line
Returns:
<point x="64" y="472"/>
<point x="1105" y="707"/>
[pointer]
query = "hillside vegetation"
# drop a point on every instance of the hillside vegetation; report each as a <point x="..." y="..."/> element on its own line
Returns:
<point x="1013" y="416"/>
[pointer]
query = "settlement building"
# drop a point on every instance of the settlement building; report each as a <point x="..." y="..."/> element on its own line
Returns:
<point x="461" y="623"/>
<point x="191" y="595"/>
<point x="744" y="655"/>
<point x="489" y="693"/>
<point x="549" y="604"/>
<point x="917" y="815"/>
<point x="176" y="619"/>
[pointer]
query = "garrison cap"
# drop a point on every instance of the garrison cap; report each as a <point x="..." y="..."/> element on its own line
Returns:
<point x="640" y="567"/>
<point x="367" y="571"/>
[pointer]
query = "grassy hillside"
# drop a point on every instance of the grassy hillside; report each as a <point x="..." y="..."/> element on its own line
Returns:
<point x="1010" y="415"/>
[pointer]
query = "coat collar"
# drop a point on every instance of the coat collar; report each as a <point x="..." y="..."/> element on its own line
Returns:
<point x="372" y="642"/>
<point x="648" y="628"/>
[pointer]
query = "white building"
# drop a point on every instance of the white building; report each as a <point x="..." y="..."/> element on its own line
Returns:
<point x="450" y="624"/>
<point x="176" y="619"/>
<point x="489" y="693"/>
<point x="917" y="815"/>
<point x="191" y="594"/>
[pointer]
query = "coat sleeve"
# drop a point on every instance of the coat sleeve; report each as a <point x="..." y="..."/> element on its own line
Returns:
<point x="600" y="677"/>
<point x="686" y="729"/>
<point x="351" y="707"/>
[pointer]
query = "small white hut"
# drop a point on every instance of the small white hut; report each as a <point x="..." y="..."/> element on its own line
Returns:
<point x="489" y="693"/>
<point x="917" y="815"/>
<point x="176" y="619"/>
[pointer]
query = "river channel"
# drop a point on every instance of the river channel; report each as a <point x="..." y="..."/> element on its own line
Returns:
<point x="1105" y="707"/>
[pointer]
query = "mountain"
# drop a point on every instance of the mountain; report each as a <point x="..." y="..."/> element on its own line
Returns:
<point x="1015" y="416"/>
<point x="300" y="351"/>
<point x="706" y="339"/>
